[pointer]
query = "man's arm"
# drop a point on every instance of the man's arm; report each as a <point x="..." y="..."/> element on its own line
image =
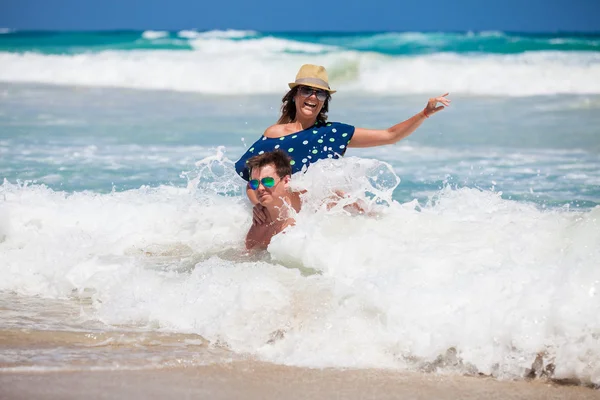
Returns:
<point x="259" y="236"/>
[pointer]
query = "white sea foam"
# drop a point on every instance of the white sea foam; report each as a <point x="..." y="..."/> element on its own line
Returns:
<point x="498" y="281"/>
<point x="227" y="34"/>
<point x="4" y="223"/>
<point x="154" y="34"/>
<point x="215" y="45"/>
<point x="216" y="34"/>
<point x="188" y="34"/>
<point x="269" y="63"/>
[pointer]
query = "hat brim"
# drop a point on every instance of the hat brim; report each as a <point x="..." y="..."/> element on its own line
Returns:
<point x="294" y="84"/>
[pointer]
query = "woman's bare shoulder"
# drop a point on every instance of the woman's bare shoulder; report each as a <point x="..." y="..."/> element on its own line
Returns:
<point x="275" y="131"/>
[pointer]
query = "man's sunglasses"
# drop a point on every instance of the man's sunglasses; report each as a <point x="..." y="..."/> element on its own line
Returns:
<point x="306" y="91"/>
<point x="267" y="182"/>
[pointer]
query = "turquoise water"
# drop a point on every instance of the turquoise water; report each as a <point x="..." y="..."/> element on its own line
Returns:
<point x="391" y="43"/>
<point x="545" y="150"/>
<point x="389" y="63"/>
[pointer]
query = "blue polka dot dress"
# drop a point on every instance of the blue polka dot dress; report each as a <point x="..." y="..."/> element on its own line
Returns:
<point x="321" y="141"/>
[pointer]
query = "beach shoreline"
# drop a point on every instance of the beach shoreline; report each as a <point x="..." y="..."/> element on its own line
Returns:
<point x="258" y="380"/>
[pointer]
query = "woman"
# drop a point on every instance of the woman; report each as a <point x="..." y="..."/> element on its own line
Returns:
<point x="304" y="133"/>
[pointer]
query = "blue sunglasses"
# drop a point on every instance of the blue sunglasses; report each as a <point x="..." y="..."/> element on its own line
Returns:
<point x="267" y="182"/>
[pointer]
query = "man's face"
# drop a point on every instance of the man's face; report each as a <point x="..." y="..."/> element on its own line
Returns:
<point x="270" y="197"/>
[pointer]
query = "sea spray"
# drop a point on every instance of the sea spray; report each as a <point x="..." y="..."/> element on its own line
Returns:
<point x="467" y="281"/>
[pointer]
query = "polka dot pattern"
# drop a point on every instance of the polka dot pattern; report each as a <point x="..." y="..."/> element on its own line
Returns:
<point x="321" y="141"/>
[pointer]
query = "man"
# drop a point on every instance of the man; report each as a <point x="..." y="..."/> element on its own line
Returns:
<point x="270" y="175"/>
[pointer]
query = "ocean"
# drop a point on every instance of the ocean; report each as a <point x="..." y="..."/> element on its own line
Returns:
<point x="122" y="219"/>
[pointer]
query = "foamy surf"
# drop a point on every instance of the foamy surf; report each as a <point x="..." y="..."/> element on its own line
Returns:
<point x="466" y="281"/>
<point x="269" y="63"/>
<point x="154" y="34"/>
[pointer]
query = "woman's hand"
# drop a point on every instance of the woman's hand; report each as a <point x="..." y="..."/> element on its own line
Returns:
<point x="432" y="107"/>
<point x="259" y="214"/>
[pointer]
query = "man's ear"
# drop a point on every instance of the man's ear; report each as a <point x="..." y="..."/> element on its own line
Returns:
<point x="286" y="181"/>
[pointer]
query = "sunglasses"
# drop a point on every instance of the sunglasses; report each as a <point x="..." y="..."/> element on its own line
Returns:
<point x="306" y="91"/>
<point x="267" y="182"/>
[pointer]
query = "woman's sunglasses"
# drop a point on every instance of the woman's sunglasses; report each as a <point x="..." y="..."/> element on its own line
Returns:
<point x="306" y="91"/>
<point x="267" y="182"/>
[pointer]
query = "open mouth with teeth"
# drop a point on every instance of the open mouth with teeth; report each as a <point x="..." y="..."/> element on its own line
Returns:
<point x="310" y="104"/>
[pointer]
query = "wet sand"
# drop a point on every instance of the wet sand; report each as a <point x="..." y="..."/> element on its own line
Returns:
<point x="254" y="380"/>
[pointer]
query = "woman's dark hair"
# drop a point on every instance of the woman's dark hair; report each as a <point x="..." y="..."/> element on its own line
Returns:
<point x="288" y="108"/>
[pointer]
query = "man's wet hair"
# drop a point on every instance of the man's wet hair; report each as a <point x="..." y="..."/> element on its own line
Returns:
<point x="278" y="158"/>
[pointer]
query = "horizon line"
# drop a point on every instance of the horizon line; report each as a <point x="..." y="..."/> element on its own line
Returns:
<point x="6" y="30"/>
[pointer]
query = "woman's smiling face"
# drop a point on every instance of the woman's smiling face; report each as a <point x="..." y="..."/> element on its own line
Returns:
<point x="308" y="103"/>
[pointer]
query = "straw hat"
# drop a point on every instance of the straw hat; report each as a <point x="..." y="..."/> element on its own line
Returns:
<point x="313" y="76"/>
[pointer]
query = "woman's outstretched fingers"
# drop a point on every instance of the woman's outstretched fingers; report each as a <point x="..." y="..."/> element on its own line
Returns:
<point x="432" y="105"/>
<point x="443" y="100"/>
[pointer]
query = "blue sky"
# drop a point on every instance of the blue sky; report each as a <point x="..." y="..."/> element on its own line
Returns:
<point x="294" y="15"/>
